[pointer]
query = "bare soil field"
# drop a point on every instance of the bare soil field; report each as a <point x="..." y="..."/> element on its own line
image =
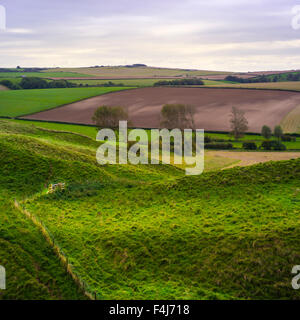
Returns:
<point x="250" y="158"/>
<point x="2" y="88"/>
<point x="262" y="107"/>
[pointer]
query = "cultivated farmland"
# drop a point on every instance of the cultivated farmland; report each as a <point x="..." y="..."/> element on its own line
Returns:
<point x="16" y="103"/>
<point x="53" y="74"/>
<point x="213" y="106"/>
<point x="290" y="85"/>
<point x="139" y="72"/>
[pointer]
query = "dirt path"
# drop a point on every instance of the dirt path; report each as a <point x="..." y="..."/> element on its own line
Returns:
<point x="262" y="107"/>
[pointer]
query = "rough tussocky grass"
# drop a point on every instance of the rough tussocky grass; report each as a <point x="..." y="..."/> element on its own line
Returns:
<point x="146" y="232"/>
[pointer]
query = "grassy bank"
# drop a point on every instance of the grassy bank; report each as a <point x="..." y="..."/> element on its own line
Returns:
<point x="148" y="232"/>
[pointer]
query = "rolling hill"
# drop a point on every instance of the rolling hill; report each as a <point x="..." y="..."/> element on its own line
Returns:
<point x="148" y="232"/>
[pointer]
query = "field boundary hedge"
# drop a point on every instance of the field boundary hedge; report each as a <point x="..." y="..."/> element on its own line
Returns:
<point x="58" y="251"/>
<point x="94" y="126"/>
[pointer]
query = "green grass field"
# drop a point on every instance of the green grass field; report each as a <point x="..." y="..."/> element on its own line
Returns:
<point x="16" y="103"/>
<point x="147" y="232"/>
<point x="134" y="82"/>
<point x="92" y="132"/>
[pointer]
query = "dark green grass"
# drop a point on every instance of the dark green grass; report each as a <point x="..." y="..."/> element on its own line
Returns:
<point x="16" y="103"/>
<point x="148" y="232"/>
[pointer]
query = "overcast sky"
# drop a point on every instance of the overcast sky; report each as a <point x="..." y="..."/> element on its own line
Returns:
<point x="233" y="35"/>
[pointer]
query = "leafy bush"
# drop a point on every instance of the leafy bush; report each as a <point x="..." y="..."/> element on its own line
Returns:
<point x="33" y="83"/>
<point x="288" y="138"/>
<point x="273" y="145"/>
<point x="249" y="146"/>
<point x="182" y="82"/>
<point x="219" y="146"/>
<point x="10" y="85"/>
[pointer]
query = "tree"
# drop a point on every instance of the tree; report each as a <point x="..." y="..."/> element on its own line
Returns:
<point x="266" y="132"/>
<point x="178" y="116"/>
<point x="109" y="117"/>
<point x="278" y="133"/>
<point x="33" y="83"/>
<point x="238" y="122"/>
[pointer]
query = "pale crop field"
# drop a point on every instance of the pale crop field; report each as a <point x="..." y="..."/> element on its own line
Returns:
<point x="123" y="72"/>
<point x="291" y="85"/>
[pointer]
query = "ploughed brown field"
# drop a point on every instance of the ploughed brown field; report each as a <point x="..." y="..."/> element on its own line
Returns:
<point x="262" y="107"/>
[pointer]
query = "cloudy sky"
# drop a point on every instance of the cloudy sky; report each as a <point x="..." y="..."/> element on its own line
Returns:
<point x="233" y="35"/>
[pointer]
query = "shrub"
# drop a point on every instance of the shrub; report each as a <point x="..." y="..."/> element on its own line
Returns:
<point x="273" y="145"/>
<point x="207" y="139"/>
<point x="288" y="138"/>
<point x="249" y="145"/>
<point x="180" y="82"/>
<point x="33" y="83"/>
<point x="219" y="146"/>
<point x="10" y="85"/>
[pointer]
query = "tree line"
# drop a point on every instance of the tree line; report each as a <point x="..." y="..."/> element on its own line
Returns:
<point x="37" y="83"/>
<point x="182" y="116"/>
<point x="179" y="82"/>
<point x="264" y="78"/>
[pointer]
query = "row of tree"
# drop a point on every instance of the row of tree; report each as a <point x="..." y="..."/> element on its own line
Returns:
<point x="173" y="116"/>
<point x="37" y="83"/>
<point x="264" y="78"/>
<point x="182" y="116"/>
<point x="180" y="82"/>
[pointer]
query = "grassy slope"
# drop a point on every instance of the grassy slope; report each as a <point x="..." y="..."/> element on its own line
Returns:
<point x="15" y="103"/>
<point x="91" y="132"/>
<point x="281" y="76"/>
<point x="223" y="235"/>
<point x="135" y="232"/>
<point x="33" y="270"/>
<point x="137" y="72"/>
<point x="53" y="74"/>
<point x="134" y="82"/>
